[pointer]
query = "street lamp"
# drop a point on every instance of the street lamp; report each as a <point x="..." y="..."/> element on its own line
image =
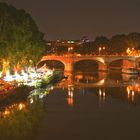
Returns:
<point x="128" y="51"/>
<point x="70" y="49"/>
<point x="104" y="48"/>
<point x="100" y="50"/>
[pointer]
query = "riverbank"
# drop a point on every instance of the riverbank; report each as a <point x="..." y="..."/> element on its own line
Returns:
<point x="20" y="114"/>
<point x="11" y="92"/>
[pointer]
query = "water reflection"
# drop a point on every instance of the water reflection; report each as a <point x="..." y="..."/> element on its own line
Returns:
<point x="70" y="99"/>
<point x="102" y="96"/>
<point x="17" y="120"/>
<point x="85" y="93"/>
<point x="100" y="79"/>
<point x="124" y="87"/>
<point x="90" y="104"/>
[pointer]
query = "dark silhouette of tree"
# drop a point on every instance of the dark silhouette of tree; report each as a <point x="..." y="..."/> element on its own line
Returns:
<point x="118" y="44"/>
<point x="21" y="42"/>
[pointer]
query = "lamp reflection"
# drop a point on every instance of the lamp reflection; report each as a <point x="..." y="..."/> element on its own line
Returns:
<point x="70" y="100"/>
<point x="133" y="96"/>
<point x="102" y="95"/>
<point x="6" y="113"/>
<point x="130" y="93"/>
<point x="10" y="109"/>
<point x="21" y="106"/>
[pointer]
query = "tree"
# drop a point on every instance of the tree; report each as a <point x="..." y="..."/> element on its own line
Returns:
<point x="101" y="42"/>
<point x="133" y="40"/>
<point x="21" y="42"/>
<point x="118" y="44"/>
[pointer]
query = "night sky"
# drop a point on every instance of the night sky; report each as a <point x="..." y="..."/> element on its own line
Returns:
<point x="72" y="19"/>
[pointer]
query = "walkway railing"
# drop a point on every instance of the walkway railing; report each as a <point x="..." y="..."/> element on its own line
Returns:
<point x="80" y="55"/>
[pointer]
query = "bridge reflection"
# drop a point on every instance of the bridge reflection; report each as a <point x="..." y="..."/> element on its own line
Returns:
<point x="121" y="87"/>
<point x="99" y="79"/>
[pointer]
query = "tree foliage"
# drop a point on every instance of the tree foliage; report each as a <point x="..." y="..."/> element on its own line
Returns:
<point x="21" y="42"/>
<point x="117" y="44"/>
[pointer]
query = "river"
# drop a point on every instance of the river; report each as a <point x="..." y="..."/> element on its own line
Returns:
<point x="88" y="106"/>
<point x="93" y="106"/>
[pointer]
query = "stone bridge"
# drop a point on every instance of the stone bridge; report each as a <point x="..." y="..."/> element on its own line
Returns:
<point x="103" y="61"/>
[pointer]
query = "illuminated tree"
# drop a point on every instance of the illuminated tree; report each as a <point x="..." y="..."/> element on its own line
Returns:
<point x="21" y="43"/>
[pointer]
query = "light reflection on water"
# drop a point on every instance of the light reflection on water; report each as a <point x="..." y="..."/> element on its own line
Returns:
<point x="94" y="106"/>
<point x="85" y="106"/>
<point x="121" y="86"/>
<point x="18" y="119"/>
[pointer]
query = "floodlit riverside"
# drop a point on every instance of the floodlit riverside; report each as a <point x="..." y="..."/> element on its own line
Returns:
<point x="29" y="78"/>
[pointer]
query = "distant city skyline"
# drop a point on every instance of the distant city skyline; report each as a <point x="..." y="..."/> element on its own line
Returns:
<point x="73" y="19"/>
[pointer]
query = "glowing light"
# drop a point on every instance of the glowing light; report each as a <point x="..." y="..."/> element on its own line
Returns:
<point x="49" y="72"/>
<point x="100" y="92"/>
<point x="133" y="93"/>
<point x="70" y="96"/>
<point x="133" y="96"/>
<point x="6" y="112"/>
<point x="25" y="76"/>
<point x="31" y="101"/>
<point x="70" y="101"/>
<point x="22" y="72"/>
<point x="69" y="93"/>
<point x="128" y="51"/>
<point x="7" y="73"/>
<point x="21" y="106"/>
<point x="8" y="77"/>
<point x="52" y="87"/>
<point x="100" y="50"/>
<point x="30" y="79"/>
<point x="33" y="75"/>
<point x="18" y="77"/>
<point x="102" y="81"/>
<point x="103" y="94"/>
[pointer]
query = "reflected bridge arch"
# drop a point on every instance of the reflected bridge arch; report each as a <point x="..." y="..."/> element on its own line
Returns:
<point x="122" y="63"/>
<point x="138" y="62"/>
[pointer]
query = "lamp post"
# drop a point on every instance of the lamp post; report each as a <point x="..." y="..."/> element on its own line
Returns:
<point x="100" y="50"/>
<point x="70" y="49"/>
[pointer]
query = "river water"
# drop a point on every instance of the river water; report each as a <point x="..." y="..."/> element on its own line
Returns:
<point x="90" y="106"/>
<point x="93" y="106"/>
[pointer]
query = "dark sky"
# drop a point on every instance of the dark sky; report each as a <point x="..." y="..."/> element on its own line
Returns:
<point x="72" y="19"/>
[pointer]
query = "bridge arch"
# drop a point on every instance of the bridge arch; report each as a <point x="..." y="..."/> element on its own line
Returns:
<point x="57" y="64"/>
<point x="92" y="64"/>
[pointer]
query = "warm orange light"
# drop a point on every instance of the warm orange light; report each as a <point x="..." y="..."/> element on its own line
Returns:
<point x="21" y="106"/>
<point x="100" y="92"/>
<point x="133" y="93"/>
<point x="6" y="113"/>
<point x="70" y="101"/>
<point x="103" y="94"/>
